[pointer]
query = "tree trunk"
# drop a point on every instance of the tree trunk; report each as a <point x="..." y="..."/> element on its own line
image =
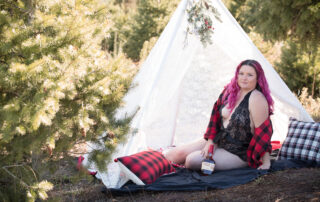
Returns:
<point x="313" y="82"/>
<point x="30" y="6"/>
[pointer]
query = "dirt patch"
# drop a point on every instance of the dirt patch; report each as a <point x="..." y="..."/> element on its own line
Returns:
<point x="289" y="185"/>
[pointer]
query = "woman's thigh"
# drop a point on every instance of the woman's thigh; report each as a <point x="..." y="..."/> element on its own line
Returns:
<point x="225" y="160"/>
<point x="194" y="160"/>
<point x="178" y="154"/>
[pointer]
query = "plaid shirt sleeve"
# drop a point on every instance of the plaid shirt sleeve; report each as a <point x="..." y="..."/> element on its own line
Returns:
<point x="215" y="119"/>
<point x="260" y="143"/>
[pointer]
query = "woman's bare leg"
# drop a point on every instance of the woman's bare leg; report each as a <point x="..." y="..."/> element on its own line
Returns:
<point x="194" y="160"/>
<point x="224" y="160"/>
<point x="179" y="154"/>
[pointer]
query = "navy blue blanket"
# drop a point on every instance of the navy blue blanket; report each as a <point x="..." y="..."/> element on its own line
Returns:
<point x="187" y="180"/>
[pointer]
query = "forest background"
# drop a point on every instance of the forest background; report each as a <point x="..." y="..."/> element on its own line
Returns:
<point x="65" y="66"/>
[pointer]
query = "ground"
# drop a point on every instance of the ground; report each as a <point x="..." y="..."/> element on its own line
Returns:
<point x="289" y="185"/>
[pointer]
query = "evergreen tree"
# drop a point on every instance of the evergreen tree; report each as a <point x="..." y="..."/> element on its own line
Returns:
<point x="237" y="7"/>
<point x="149" y="21"/>
<point x="279" y="20"/>
<point x="57" y="87"/>
<point x="120" y="15"/>
<point x="147" y="47"/>
<point x="300" y="69"/>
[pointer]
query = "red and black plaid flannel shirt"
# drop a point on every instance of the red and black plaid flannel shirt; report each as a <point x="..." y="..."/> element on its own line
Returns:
<point x="260" y="142"/>
<point x="215" y="119"/>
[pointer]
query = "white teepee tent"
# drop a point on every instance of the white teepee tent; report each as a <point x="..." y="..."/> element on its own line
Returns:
<point x="177" y="86"/>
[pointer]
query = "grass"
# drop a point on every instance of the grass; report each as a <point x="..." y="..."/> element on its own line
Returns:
<point x="312" y="105"/>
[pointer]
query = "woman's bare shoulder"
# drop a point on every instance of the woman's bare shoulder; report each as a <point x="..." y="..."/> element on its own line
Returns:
<point x="258" y="107"/>
<point x="258" y="97"/>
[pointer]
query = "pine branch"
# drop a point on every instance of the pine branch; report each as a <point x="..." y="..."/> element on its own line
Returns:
<point x="4" y="62"/>
<point x="8" y="92"/>
<point x="15" y="177"/>
<point x="294" y="23"/>
<point x="14" y="7"/>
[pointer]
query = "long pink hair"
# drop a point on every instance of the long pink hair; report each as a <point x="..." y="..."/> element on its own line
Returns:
<point x="232" y="89"/>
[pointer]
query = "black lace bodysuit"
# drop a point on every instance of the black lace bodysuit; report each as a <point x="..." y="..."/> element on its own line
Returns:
<point x="237" y="136"/>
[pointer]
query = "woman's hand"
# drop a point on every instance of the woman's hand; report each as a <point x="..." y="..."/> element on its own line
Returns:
<point x="265" y="162"/>
<point x="265" y="166"/>
<point x="205" y="150"/>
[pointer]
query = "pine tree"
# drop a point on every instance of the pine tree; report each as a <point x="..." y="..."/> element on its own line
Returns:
<point x="237" y="7"/>
<point x="57" y="87"/>
<point x="279" y="20"/>
<point x="120" y="15"/>
<point x="300" y="69"/>
<point x="149" y="21"/>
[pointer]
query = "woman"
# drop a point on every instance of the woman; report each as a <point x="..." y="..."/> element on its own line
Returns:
<point x="240" y="128"/>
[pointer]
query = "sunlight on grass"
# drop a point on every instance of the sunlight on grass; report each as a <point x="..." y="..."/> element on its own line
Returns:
<point x="311" y="105"/>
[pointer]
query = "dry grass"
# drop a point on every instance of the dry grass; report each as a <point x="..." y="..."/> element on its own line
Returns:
<point x="312" y="105"/>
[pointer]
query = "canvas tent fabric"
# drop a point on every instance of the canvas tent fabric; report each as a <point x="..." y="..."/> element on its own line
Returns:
<point x="181" y="79"/>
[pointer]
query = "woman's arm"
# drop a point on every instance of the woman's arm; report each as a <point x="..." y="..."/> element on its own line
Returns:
<point x="214" y="124"/>
<point x="259" y="111"/>
<point x="265" y="162"/>
<point x="258" y="107"/>
<point x="204" y="151"/>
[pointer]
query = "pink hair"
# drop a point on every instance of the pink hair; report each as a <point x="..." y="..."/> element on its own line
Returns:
<point x="232" y="89"/>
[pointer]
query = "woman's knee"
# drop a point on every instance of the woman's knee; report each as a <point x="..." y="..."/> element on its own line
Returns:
<point x="180" y="153"/>
<point x="193" y="161"/>
<point x="176" y="155"/>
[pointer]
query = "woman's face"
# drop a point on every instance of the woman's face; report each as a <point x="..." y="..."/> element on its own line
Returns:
<point x="247" y="78"/>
